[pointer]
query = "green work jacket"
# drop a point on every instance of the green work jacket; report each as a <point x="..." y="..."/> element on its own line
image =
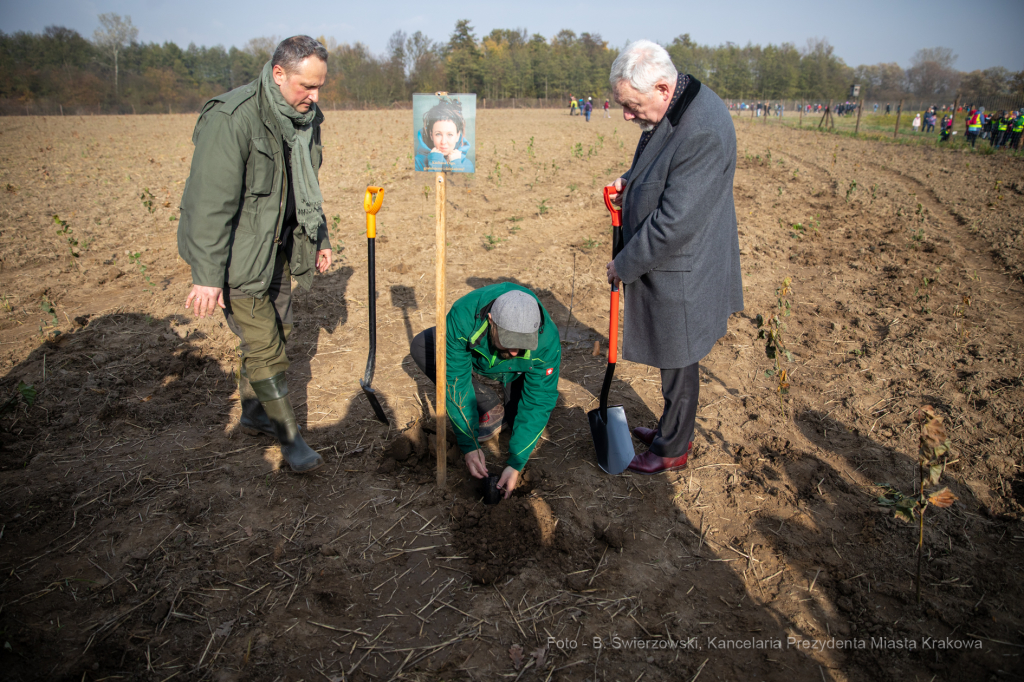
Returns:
<point x="468" y="351"/>
<point x="232" y="209"/>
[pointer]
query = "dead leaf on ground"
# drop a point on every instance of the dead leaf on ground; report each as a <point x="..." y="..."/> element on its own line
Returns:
<point x="515" y="652"/>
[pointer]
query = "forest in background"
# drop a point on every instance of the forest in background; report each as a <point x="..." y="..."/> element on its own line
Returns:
<point x="59" y="69"/>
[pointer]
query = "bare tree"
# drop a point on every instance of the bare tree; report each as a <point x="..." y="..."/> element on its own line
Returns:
<point x="262" y="47"/>
<point x="932" y="73"/>
<point x="115" y="33"/>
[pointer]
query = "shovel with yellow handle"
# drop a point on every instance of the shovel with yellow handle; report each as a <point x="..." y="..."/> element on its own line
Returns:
<point x="371" y="204"/>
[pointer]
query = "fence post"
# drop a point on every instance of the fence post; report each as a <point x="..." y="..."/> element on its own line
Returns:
<point x="899" y="112"/>
<point x="860" y="106"/>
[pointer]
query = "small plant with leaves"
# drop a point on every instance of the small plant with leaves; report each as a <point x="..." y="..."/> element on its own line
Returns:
<point x="136" y="259"/>
<point x="25" y="394"/>
<point x="577" y="150"/>
<point x="491" y="242"/>
<point x="850" y="190"/>
<point x="64" y="230"/>
<point x="542" y="207"/>
<point x="589" y="243"/>
<point x="147" y="199"/>
<point x="48" y="308"/>
<point x="932" y="457"/>
<point x="529" y="147"/>
<point x="771" y="329"/>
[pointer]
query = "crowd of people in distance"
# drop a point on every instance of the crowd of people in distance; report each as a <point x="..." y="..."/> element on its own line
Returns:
<point x="584" y="107"/>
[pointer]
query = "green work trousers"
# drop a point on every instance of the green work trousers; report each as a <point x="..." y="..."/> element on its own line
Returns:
<point x="263" y="324"/>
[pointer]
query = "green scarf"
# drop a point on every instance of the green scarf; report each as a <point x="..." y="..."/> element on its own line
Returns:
<point x="297" y="131"/>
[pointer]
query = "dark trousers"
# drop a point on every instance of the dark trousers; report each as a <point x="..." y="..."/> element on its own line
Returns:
<point x="423" y="351"/>
<point x="680" y="389"/>
<point x="263" y="325"/>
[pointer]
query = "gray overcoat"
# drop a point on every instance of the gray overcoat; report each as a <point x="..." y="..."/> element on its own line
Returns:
<point x="681" y="257"/>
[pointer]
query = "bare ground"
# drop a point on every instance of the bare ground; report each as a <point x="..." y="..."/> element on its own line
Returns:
<point x="144" y="537"/>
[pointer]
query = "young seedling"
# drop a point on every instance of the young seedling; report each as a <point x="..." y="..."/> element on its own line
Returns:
<point x="529" y="147"/>
<point x="68" y="234"/>
<point x="933" y="455"/>
<point x="542" y="207"/>
<point x="136" y="259"/>
<point x="492" y="241"/>
<point x="26" y="393"/>
<point x="48" y="308"/>
<point x="771" y="330"/>
<point x="850" y="190"/>
<point x="590" y="243"/>
<point x="147" y="199"/>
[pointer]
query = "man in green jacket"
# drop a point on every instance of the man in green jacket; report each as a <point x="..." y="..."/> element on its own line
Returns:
<point x="252" y="218"/>
<point x="501" y="332"/>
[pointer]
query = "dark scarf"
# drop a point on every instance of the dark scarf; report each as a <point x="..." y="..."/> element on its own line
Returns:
<point x="297" y="131"/>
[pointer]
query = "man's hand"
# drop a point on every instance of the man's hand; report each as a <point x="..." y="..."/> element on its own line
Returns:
<point x="508" y="480"/>
<point x="323" y="260"/>
<point x="616" y="198"/>
<point x="477" y="464"/>
<point x="206" y="300"/>
<point x="613" y="277"/>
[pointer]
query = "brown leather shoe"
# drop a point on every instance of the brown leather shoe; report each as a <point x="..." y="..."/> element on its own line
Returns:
<point x="647" y="463"/>
<point x="645" y="435"/>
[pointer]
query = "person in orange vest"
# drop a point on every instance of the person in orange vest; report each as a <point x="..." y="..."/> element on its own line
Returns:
<point x="973" y="126"/>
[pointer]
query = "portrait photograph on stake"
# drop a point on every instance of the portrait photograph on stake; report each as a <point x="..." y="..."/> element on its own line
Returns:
<point x="444" y="132"/>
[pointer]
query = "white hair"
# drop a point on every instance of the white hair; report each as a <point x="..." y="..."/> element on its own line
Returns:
<point x="643" y="63"/>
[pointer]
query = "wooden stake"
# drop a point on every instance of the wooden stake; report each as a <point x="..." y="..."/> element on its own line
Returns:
<point x="825" y="114"/>
<point x="801" y="113"/>
<point x="899" y="112"/>
<point x="860" y="105"/>
<point x="440" y="373"/>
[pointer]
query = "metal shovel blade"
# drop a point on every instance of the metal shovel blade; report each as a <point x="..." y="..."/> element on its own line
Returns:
<point x="371" y="395"/>
<point x="612" y="441"/>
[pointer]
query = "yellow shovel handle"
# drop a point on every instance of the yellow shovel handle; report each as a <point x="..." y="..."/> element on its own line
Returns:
<point x="371" y="204"/>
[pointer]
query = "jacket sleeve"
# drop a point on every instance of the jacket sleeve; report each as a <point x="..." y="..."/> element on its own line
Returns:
<point x="460" y="398"/>
<point x="540" y="393"/>
<point x="667" y="231"/>
<point x="212" y="197"/>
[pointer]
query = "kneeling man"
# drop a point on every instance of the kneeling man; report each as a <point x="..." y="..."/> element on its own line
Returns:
<point x="501" y="332"/>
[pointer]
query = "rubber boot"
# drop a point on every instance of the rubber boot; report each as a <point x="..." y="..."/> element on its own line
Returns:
<point x="273" y="394"/>
<point x="254" y="419"/>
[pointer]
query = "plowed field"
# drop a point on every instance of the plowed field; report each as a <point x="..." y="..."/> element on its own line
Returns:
<point x="144" y="537"/>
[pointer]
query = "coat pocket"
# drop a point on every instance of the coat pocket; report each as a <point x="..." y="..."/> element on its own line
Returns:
<point x="262" y="168"/>
<point x="647" y="198"/>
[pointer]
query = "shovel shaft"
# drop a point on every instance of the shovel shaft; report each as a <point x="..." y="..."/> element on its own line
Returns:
<point x="613" y="328"/>
<point x="613" y="346"/>
<point x="371" y="361"/>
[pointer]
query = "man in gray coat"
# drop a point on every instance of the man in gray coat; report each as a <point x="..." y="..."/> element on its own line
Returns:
<point x="680" y="258"/>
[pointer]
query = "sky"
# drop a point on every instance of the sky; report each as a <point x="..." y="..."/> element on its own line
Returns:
<point x="864" y="32"/>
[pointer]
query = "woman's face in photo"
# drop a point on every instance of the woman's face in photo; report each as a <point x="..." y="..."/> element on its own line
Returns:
<point x="444" y="136"/>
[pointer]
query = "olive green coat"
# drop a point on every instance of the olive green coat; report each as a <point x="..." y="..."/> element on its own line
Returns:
<point x="232" y="209"/>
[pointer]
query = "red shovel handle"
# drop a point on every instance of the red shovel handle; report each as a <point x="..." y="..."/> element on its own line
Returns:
<point x="613" y="328"/>
<point x="616" y="212"/>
